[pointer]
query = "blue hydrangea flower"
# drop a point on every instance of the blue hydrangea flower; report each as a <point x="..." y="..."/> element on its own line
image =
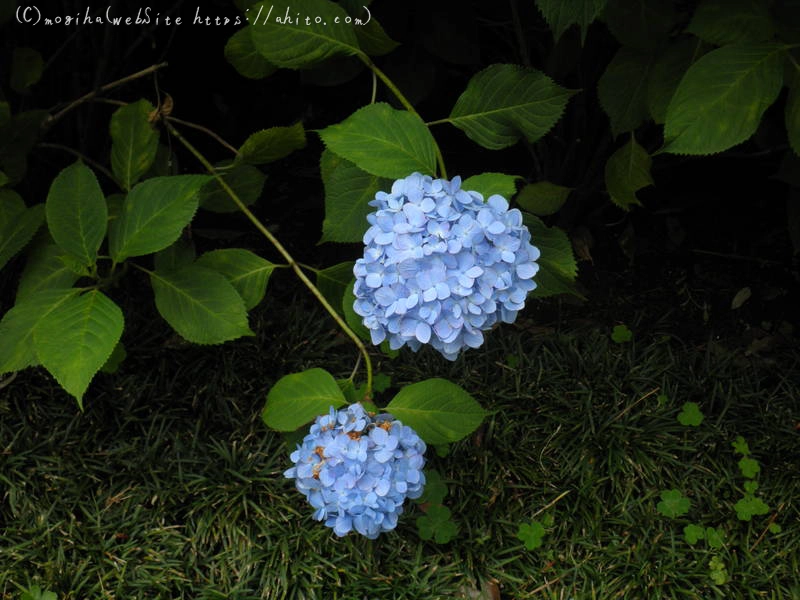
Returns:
<point x="441" y="266"/>
<point x="357" y="469"/>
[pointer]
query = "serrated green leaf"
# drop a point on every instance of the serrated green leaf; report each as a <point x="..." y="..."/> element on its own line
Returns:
<point x="436" y="525"/>
<point x="178" y="255"/>
<point x="720" y="100"/>
<point x="690" y="415"/>
<point x="714" y="538"/>
<point x="19" y="231"/>
<point x="154" y="214"/>
<point x="241" y="52"/>
<point x="247" y="272"/>
<point x="331" y="282"/>
<point x="749" y="467"/>
<point x="246" y="181"/>
<point x="641" y="24"/>
<point x="269" y="145"/>
<point x="557" y="266"/>
<point x="77" y="216"/>
<point x="438" y="410"/>
<point x="44" y="271"/>
<point x="294" y="44"/>
<point x="740" y="446"/>
<point x="543" y="198"/>
<point x="435" y="488"/>
<point x="27" y="65"/>
<point x="693" y="533"/>
<point x="627" y="171"/>
<point x="134" y="142"/>
<point x="622" y="89"/>
<point x="76" y="338"/>
<point x="200" y="304"/>
<point x="750" y="506"/>
<point x="372" y="39"/>
<point x="504" y="103"/>
<point x="383" y="141"/>
<point x="348" y="190"/>
<point x="620" y="334"/>
<point x="489" y="184"/>
<point x="723" y="22"/>
<point x="298" y="398"/>
<point x="531" y="534"/>
<point x="19" y="323"/>
<point x="673" y="504"/>
<point x="667" y="72"/>
<point x="561" y="15"/>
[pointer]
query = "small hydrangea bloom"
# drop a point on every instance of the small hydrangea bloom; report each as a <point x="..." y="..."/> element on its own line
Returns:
<point x="441" y="266"/>
<point x="357" y="469"/>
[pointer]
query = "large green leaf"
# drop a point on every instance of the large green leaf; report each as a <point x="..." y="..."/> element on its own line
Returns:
<point x="489" y="184"/>
<point x="562" y="15"/>
<point x="154" y="214"/>
<point x="200" y="304"/>
<point x="76" y="338"/>
<point x="627" y="171"/>
<point x="557" y="266"/>
<point x="298" y="398"/>
<point x="641" y="24"/>
<point x="242" y="54"/>
<point x="623" y="89"/>
<point x="383" y="141"/>
<point x="76" y="212"/>
<point x="667" y="72"/>
<point x="333" y="281"/>
<point x="246" y="271"/>
<point x="503" y="103"/>
<point x="18" y="325"/>
<point x="543" y="198"/>
<point x="17" y="232"/>
<point x="723" y="22"/>
<point x="438" y="410"/>
<point x="134" y="142"/>
<point x="348" y="190"/>
<point x="269" y="145"/>
<point x="281" y="35"/>
<point x="45" y="270"/>
<point x="720" y="100"/>
<point x="177" y="255"/>
<point x="26" y="68"/>
<point x="245" y="180"/>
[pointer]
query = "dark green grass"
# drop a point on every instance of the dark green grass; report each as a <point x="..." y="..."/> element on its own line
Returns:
<point x="169" y="485"/>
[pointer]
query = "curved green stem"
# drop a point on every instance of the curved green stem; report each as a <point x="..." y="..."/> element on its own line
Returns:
<point x="283" y="252"/>
<point x="406" y="104"/>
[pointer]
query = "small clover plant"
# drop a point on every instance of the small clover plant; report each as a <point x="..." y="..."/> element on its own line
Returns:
<point x="673" y="504"/>
<point x="437" y="525"/>
<point x="531" y="534"/>
<point x="621" y="334"/>
<point x="690" y="415"/>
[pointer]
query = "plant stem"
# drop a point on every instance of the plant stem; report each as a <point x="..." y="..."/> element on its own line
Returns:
<point x="206" y="131"/>
<point x="84" y="158"/>
<point x="283" y="252"/>
<point x="406" y="104"/>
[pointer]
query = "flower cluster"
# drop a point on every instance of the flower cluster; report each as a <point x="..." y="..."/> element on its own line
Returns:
<point x="441" y="266"/>
<point x="356" y="470"/>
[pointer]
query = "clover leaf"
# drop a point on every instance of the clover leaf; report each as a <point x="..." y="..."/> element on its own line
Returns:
<point x="749" y="467"/>
<point x="740" y="446"/>
<point x="750" y="506"/>
<point x="436" y="525"/>
<point x="673" y="504"/>
<point x="693" y="533"/>
<point x="690" y="415"/>
<point x="621" y="334"/>
<point x="775" y="528"/>
<point x="714" y="538"/>
<point x="717" y="571"/>
<point x="531" y="534"/>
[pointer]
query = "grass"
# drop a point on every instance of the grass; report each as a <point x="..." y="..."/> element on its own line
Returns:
<point x="169" y="485"/>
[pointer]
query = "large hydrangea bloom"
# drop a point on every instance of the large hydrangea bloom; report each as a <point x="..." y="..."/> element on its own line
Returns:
<point x="441" y="266"/>
<point x="356" y="470"/>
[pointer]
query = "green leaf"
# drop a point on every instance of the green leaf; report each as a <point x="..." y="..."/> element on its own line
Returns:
<point x="717" y="571"/>
<point x="245" y="180"/>
<point x="641" y="24"/>
<point x="504" y="103"/>
<point x="621" y="334"/>
<point x="76" y="212"/>
<point x="792" y="114"/>
<point x="298" y="398"/>
<point x="557" y="266"/>
<point x="26" y="68"/>
<point x="200" y="304"/>
<point x="154" y="214"/>
<point x="118" y="355"/>
<point x="383" y="141"/>
<point x="45" y="270"/>
<point x="373" y="40"/>
<point x="348" y="190"/>
<point x="690" y="415"/>
<point x="179" y="254"/>
<point x="673" y="504"/>
<point x="775" y="528"/>
<point x="740" y="446"/>
<point x="19" y="231"/>
<point x="489" y="184"/>
<point x="438" y="410"/>
<point x="623" y="89"/>
<point x="543" y="198"/>
<point x="19" y="323"/>
<point x="720" y="100"/>
<point x="693" y="533"/>
<point x="269" y="145"/>
<point x="668" y="69"/>
<point x="331" y="282"/>
<point x="354" y="321"/>
<point x="749" y="467"/>
<point x="750" y="486"/>
<point x="241" y="52"/>
<point x="436" y="525"/>
<point x="246" y="271"/>
<point x="294" y="44"/>
<point x="750" y="506"/>
<point x="134" y="142"/>
<point x="37" y="593"/>
<point x="723" y="22"/>
<point x="714" y="538"/>
<point x="435" y="488"/>
<point x="381" y="382"/>
<point x="532" y="534"/>
<point x="76" y="338"/>
<point x="627" y="171"/>
<point x="561" y="15"/>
